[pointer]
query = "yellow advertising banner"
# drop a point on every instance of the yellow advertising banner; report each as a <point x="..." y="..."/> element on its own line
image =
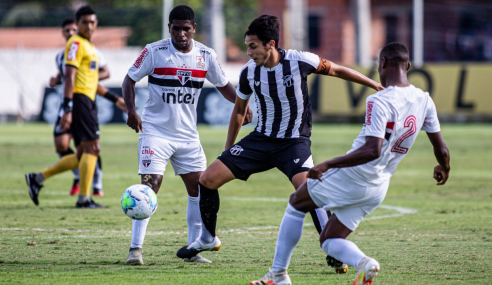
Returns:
<point x="457" y="89"/>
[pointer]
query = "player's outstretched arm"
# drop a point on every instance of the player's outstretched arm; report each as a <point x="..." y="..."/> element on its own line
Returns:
<point x="369" y="151"/>
<point x="104" y="73"/>
<point x="237" y="119"/>
<point x="441" y="152"/>
<point x="128" y="89"/>
<point x="111" y="96"/>
<point x="229" y="93"/>
<point x="55" y="80"/>
<point x="332" y="69"/>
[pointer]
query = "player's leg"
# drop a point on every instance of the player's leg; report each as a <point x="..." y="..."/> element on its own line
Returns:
<point x="62" y="145"/>
<point x="97" y="180"/>
<point x="88" y="151"/>
<point x="289" y="234"/>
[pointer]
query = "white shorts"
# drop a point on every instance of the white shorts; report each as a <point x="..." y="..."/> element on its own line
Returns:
<point x="351" y="200"/>
<point x="185" y="157"/>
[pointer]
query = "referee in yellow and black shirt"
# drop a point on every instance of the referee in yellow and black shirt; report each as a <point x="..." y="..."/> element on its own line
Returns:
<point x="80" y="111"/>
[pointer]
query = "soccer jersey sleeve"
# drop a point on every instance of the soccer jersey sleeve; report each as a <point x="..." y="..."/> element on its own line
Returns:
<point x="215" y="74"/>
<point x="431" y="122"/>
<point x="102" y="61"/>
<point x="143" y="66"/>
<point x="376" y="118"/>
<point x="243" y="89"/>
<point x="74" y="53"/>
<point x="308" y="62"/>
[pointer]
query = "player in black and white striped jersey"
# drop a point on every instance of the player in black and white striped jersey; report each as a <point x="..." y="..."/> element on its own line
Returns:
<point x="278" y="78"/>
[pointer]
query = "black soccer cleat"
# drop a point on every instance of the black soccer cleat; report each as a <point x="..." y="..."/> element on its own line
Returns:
<point x="34" y="187"/>
<point x="198" y="246"/>
<point x="340" y="267"/>
<point x="90" y="204"/>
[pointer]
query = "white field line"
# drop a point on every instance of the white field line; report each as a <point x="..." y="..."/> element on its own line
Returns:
<point x="400" y="211"/>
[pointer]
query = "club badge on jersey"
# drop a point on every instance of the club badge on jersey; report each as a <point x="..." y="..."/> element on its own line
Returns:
<point x="200" y="62"/>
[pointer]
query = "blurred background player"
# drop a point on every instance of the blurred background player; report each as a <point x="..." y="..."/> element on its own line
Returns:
<point x="354" y="185"/>
<point x="281" y="139"/>
<point x="176" y="70"/>
<point x="81" y="76"/>
<point x="62" y="139"/>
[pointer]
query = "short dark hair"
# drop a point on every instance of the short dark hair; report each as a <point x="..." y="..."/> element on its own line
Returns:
<point x="67" y="21"/>
<point x="84" y="10"/>
<point x="395" y="53"/>
<point x="182" y="12"/>
<point x="266" y="28"/>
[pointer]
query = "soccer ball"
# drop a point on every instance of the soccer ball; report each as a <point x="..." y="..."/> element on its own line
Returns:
<point x="139" y="202"/>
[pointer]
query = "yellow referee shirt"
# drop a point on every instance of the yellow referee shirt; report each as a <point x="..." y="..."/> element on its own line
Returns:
<point x="81" y="54"/>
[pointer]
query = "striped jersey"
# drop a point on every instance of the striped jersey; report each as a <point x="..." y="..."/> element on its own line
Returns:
<point x="175" y="82"/>
<point x="283" y="105"/>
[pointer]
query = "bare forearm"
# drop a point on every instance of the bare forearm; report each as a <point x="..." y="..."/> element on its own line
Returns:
<point x="103" y="73"/>
<point x="357" y="157"/>
<point x="442" y="155"/>
<point x="229" y="92"/>
<point x="355" y="76"/>
<point x="68" y="89"/>
<point x="128" y="89"/>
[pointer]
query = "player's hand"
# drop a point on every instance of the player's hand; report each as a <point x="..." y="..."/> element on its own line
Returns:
<point x="65" y="122"/>
<point x="378" y="87"/>
<point x="441" y="174"/>
<point x="249" y="116"/>
<point x="317" y="171"/>
<point x="134" y="122"/>
<point x="53" y="81"/>
<point x="120" y="103"/>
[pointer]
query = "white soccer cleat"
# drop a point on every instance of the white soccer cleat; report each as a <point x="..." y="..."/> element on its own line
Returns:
<point x="197" y="259"/>
<point x="273" y="278"/>
<point x="198" y="246"/>
<point x="135" y="256"/>
<point x="367" y="270"/>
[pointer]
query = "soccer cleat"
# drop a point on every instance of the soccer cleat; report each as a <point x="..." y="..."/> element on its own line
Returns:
<point x="34" y="187"/>
<point x="197" y="259"/>
<point x="90" y="204"/>
<point x="75" y="190"/>
<point x="273" y="278"/>
<point x="367" y="270"/>
<point x="340" y="267"/>
<point x="198" y="246"/>
<point x="97" y="192"/>
<point x="135" y="256"/>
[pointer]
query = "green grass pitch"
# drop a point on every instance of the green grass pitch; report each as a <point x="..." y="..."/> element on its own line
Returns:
<point x="446" y="240"/>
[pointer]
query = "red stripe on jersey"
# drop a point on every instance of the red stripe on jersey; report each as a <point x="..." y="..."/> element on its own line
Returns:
<point x="173" y="71"/>
<point x="390" y="125"/>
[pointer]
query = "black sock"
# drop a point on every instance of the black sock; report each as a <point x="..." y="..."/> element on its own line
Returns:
<point x="209" y="207"/>
<point x="65" y="152"/>
<point x="316" y="222"/>
<point x="99" y="162"/>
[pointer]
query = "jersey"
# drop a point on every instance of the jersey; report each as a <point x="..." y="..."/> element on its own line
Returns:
<point x="81" y="53"/>
<point x="60" y="62"/>
<point x="175" y="82"/>
<point x="395" y="114"/>
<point x="283" y="105"/>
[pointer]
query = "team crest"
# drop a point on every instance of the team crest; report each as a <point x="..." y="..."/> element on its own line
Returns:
<point x="236" y="150"/>
<point x="146" y="162"/>
<point x="200" y="62"/>
<point x="288" y="82"/>
<point x="257" y="83"/>
<point x="183" y="76"/>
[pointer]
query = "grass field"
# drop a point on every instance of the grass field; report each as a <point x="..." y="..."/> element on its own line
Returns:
<point x="446" y="240"/>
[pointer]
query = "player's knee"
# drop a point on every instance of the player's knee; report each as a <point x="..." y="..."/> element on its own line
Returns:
<point x="206" y="179"/>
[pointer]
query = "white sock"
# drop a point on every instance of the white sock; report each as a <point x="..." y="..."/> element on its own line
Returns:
<point x="289" y="234"/>
<point x="193" y="219"/>
<point x="97" y="179"/>
<point x="75" y="172"/>
<point x="322" y="217"/>
<point x="139" y="228"/>
<point x="343" y="250"/>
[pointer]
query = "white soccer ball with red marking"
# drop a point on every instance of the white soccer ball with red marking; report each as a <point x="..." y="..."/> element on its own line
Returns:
<point x="139" y="202"/>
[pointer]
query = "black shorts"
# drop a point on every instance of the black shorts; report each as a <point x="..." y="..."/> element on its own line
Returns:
<point x="257" y="153"/>
<point x="57" y="131"/>
<point x="84" y="119"/>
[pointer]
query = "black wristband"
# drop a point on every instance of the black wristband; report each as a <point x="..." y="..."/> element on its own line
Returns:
<point x="111" y="96"/>
<point x="67" y="105"/>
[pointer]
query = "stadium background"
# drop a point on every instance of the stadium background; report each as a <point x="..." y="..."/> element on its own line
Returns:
<point x="454" y="66"/>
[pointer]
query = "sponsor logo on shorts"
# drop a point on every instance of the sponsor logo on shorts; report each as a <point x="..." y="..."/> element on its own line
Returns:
<point x="236" y="150"/>
<point x="141" y="58"/>
<point x="288" y="82"/>
<point x="296" y="160"/>
<point x="147" y="154"/>
<point x="183" y="76"/>
<point x="257" y="83"/>
<point x="147" y="150"/>
<point x="369" y="112"/>
<point x="200" y="62"/>
<point x="72" y="51"/>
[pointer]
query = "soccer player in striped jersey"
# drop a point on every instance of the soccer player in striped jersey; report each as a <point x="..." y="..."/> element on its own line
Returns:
<point x="355" y="184"/>
<point x="176" y="69"/>
<point x="278" y="78"/>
